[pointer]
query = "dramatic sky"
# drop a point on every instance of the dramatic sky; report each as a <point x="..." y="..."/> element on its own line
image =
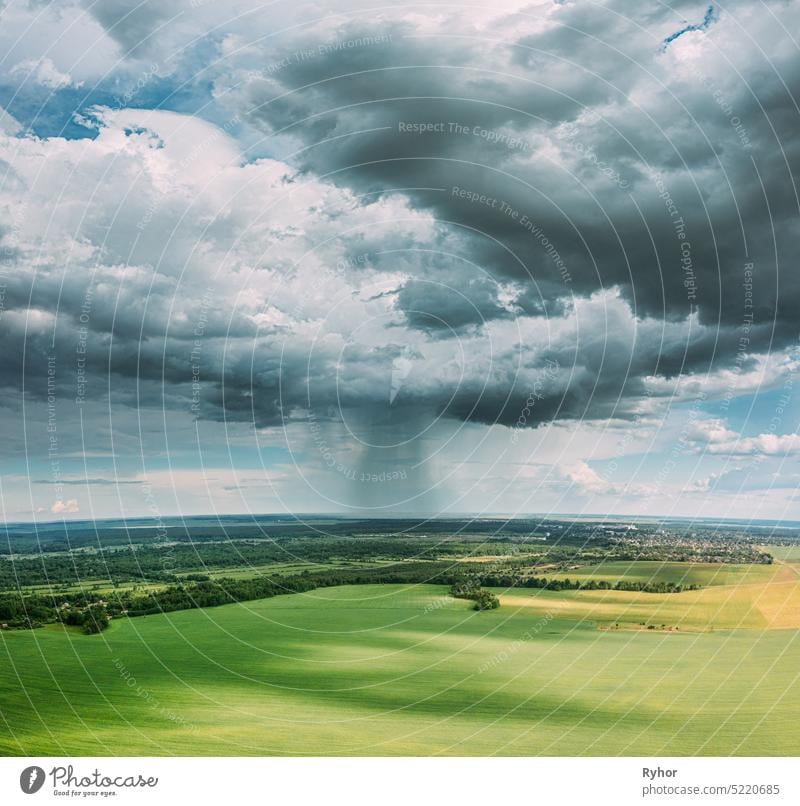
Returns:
<point x="429" y="258"/>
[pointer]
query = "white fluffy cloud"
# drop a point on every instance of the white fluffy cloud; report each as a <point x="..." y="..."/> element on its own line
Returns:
<point x="714" y="437"/>
<point x="65" y="507"/>
<point x="587" y="481"/>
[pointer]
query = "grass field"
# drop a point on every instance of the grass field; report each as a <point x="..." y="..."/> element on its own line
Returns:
<point x="383" y="670"/>
<point x="790" y="554"/>
<point x="703" y="574"/>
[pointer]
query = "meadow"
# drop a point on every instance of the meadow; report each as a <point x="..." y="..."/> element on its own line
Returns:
<point x="396" y="669"/>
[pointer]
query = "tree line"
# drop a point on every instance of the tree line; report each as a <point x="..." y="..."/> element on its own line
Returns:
<point x="504" y="580"/>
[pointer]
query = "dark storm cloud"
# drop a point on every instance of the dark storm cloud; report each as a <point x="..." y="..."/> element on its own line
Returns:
<point x="450" y="304"/>
<point x="437" y="113"/>
<point x="557" y="160"/>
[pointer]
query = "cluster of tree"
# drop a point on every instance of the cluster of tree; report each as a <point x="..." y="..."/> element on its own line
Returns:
<point x="486" y="600"/>
<point x="18" y="611"/>
<point x="510" y="581"/>
<point x="92" y="619"/>
<point x="620" y="585"/>
<point x="468" y="588"/>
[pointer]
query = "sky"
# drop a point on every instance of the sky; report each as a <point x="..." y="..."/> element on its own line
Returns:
<point x="375" y="260"/>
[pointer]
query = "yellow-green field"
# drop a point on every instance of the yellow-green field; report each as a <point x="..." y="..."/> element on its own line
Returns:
<point x="390" y="669"/>
<point x="733" y="596"/>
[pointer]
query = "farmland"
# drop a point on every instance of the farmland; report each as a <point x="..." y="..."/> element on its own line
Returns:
<point x="392" y="669"/>
<point x="606" y="642"/>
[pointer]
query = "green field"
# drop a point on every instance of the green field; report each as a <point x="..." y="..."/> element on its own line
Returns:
<point x="387" y="669"/>
<point x="703" y="574"/>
